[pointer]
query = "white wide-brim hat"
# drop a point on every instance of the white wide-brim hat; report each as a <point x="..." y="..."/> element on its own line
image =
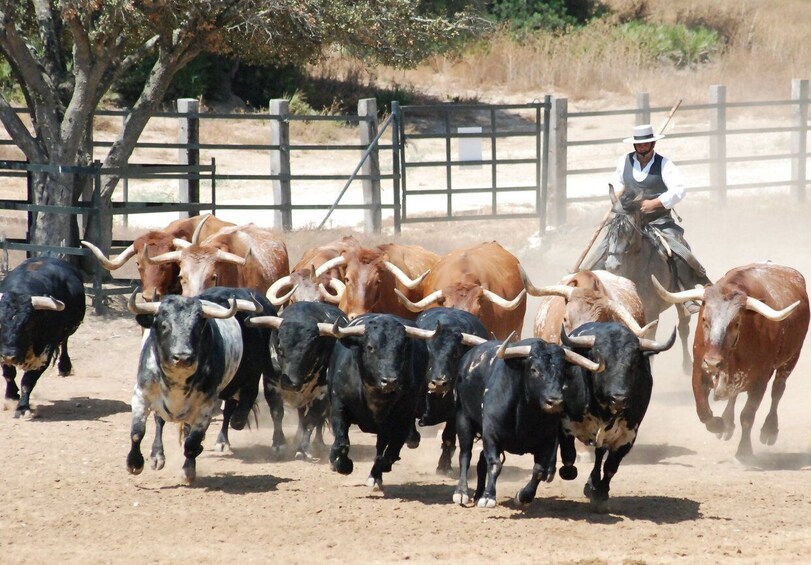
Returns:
<point x="643" y="134"/>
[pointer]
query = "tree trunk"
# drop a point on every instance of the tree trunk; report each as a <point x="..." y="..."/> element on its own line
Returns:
<point x="55" y="229"/>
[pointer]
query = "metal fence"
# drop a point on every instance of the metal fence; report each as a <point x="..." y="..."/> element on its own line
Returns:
<point x="417" y="164"/>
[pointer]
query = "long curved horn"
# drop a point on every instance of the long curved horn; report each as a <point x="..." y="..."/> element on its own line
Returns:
<point x="339" y="288"/>
<point x="576" y="341"/>
<point x="180" y="243"/>
<point x="227" y="257"/>
<point x="555" y="289"/>
<point x="348" y="331"/>
<point x="150" y="308"/>
<point x="404" y="279"/>
<point x="503" y="302"/>
<point x="472" y="340"/>
<point x="764" y="310"/>
<point x="212" y="310"/>
<point x="47" y="303"/>
<point x="244" y="305"/>
<point x="195" y="237"/>
<point x="111" y="264"/>
<point x="273" y="292"/>
<point x="419" y="333"/>
<point x="656" y="346"/>
<point x="422" y="304"/>
<point x="585" y="362"/>
<point x="624" y="316"/>
<point x="327" y="330"/>
<point x="505" y="352"/>
<point x="168" y="257"/>
<point x="676" y="297"/>
<point x="266" y="322"/>
<point x="327" y="266"/>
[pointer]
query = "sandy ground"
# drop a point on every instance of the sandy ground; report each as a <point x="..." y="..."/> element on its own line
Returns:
<point x="679" y="496"/>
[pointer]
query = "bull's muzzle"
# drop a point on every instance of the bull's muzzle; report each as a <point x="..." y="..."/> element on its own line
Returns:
<point x="617" y="403"/>
<point x="439" y="387"/>
<point x="553" y="405"/>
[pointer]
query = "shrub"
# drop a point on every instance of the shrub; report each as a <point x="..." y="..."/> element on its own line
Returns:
<point x="676" y="43"/>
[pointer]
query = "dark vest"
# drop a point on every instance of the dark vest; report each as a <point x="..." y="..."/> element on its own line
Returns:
<point x="652" y="186"/>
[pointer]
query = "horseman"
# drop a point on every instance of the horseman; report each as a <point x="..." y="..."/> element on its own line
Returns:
<point x="655" y="183"/>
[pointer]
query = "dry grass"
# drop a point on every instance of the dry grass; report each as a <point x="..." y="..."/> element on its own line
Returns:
<point x="765" y="46"/>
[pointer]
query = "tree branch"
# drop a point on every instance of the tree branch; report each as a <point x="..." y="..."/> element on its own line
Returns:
<point x="19" y="133"/>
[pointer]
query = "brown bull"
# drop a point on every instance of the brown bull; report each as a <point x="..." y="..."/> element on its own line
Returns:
<point x="244" y="256"/>
<point x="312" y="270"/>
<point x="371" y="277"/>
<point x="483" y="279"/>
<point x="587" y="296"/>
<point x="751" y="326"/>
<point x="160" y="279"/>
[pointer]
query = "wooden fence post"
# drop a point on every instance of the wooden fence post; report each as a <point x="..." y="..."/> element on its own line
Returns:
<point x="280" y="163"/>
<point x="718" y="142"/>
<point x="799" y="135"/>
<point x="189" y="154"/>
<point x="642" y="108"/>
<point x="367" y="108"/>
<point x="558" y="157"/>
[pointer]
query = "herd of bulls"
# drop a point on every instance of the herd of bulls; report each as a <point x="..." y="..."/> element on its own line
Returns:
<point x="395" y="337"/>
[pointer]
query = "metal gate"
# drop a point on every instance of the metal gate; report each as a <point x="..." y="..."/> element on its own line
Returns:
<point x="473" y="161"/>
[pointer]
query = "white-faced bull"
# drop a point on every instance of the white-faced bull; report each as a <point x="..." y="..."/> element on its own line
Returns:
<point x="301" y="343"/>
<point x="373" y="380"/>
<point x="42" y="303"/>
<point x="605" y="410"/>
<point x="751" y="326"/>
<point x="512" y="396"/>
<point x="189" y="354"/>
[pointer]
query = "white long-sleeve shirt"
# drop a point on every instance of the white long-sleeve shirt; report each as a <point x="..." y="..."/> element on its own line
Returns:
<point x="671" y="176"/>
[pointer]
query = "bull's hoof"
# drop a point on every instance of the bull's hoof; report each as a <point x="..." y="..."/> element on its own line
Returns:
<point x="25" y="413"/>
<point x="445" y="471"/>
<point x="189" y="473"/>
<point x="768" y="437"/>
<point x="156" y="462"/>
<point x="485" y="502"/>
<point x="343" y="465"/>
<point x="135" y="463"/>
<point x="66" y="373"/>
<point x="728" y="432"/>
<point x="523" y="498"/>
<point x="595" y="495"/>
<point x="302" y="455"/>
<point x="278" y="451"/>
<point x="568" y="473"/>
<point x="375" y="484"/>
<point x="461" y="498"/>
<point x="714" y="425"/>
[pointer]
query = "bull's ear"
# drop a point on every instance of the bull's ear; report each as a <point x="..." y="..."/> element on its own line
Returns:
<point x="145" y="320"/>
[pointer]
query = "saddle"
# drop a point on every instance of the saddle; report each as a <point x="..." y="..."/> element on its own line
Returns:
<point x="668" y="245"/>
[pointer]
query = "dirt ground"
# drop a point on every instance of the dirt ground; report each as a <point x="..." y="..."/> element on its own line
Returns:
<point x="680" y="496"/>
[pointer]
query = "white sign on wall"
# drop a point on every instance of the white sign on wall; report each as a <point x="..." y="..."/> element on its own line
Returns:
<point x="470" y="148"/>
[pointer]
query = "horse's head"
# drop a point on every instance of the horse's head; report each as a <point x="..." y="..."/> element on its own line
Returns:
<point x="624" y="235"/>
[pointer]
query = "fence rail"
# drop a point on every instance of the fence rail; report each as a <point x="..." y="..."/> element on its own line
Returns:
<point x="409" y="168"/>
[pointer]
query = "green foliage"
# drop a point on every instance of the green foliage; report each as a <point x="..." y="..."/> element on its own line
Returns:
<point x="677" y="43"/>
<point x="8" y="85"/>
<point x="524" y="15"/>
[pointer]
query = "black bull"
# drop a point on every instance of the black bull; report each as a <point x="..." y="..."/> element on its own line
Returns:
<point x="373" y="379"/>
<point x="42" y="303"/>
<point x="605" y="410"/>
